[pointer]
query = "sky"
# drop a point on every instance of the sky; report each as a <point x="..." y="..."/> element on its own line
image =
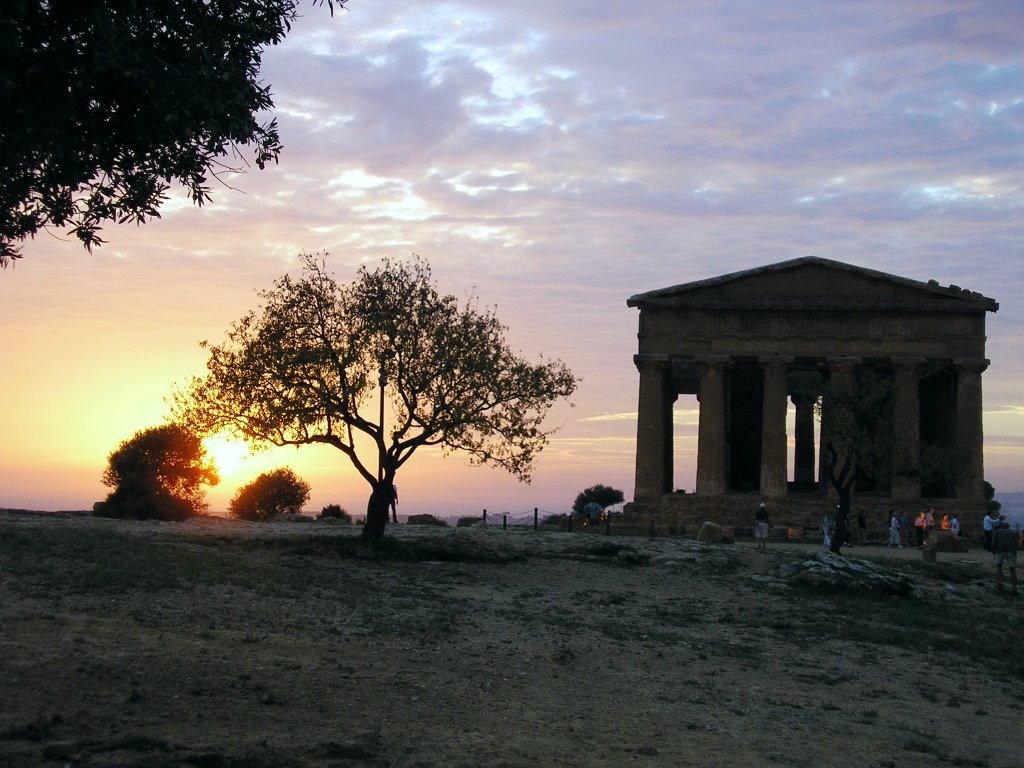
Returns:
<point x="550" y="159"/>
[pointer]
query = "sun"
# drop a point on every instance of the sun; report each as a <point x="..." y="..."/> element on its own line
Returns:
<point x="226" y="453"/>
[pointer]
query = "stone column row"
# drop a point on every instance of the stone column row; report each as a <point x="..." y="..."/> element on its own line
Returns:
<point x="711" y="464"/>
<point x="654" y="426"/>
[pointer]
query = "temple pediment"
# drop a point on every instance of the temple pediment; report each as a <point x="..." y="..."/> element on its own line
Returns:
<point x="812" y="283"/>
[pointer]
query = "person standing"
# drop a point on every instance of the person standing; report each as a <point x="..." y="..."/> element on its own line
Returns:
<point x="394" y="504"/>
<point x="862" y="528"/>
<point x="920" y="525"/>
<point x="592" y="514"/>
<point x="1004" y="552"/>
<point x="954" y="525"/>
<point x="904" y="529"/>
<point x="989" y="524"/>
<point x="761" y="527"/>
<point x="895" y="540"/>
<point x="930" y="519"/>
<point x="828" y="527"/>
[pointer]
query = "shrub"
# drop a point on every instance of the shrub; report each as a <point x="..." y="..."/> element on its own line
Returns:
<point x="277" y="492"/>
<point x="334" y="512"/>
<point x="599" y="494"/>
<point x="426" y="520"/>
<point x="157" y="473"/>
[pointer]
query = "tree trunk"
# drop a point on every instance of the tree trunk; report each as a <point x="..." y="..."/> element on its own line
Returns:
<point x="377" y="509"/>
<point x="843" y="484"/>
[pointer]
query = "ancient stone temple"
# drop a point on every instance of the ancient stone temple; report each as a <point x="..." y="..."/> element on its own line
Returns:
<point x="750" y="344"/>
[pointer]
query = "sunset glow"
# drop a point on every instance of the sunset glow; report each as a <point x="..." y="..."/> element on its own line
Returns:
<point x="549" y="159"/>
<point x="226" y="453"/>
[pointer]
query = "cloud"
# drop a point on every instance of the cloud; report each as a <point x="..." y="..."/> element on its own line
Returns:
<point x="553" y="159"/>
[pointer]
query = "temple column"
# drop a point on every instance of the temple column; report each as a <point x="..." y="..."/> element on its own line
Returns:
<point x="773" y="426"/>
<point x="803" y="449"/>
<point x="906" y="458"/>
<point x="653" y="430"/>
<point x="969" y="431"/>
<point x="711" y="429"/>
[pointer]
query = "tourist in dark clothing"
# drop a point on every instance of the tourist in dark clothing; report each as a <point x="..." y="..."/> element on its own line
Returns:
<point x="1004" y="552"/>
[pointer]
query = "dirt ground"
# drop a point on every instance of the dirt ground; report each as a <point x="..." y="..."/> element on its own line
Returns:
<point x="224" y="644"/>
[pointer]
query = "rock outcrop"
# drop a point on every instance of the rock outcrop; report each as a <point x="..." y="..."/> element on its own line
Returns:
<point x="848" y="573"/>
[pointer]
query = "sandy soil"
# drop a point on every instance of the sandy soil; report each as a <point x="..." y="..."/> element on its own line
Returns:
<point x="581" y="650"/>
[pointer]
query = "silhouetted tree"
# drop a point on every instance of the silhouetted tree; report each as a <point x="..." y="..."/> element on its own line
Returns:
<point x="940" y="465"/>
<point x="105" y="102"/>
<point x="316" y="361"/>
<point x="157" y="473"/>
<point x="277" y="492"/>
<point x="991" y="505"/>
<point x="602" y="495"/>
<point x="855" y="445"/>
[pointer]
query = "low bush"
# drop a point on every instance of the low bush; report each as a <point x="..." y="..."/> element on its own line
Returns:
<point x="426" y="520"/>
<point x="334" y="512"/>
<point x="273" y="493"/>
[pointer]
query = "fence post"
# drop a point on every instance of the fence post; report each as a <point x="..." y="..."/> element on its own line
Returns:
<point x="535" y="518"/>
<point x="504" y="522"/>
<point x="485" y="518"/>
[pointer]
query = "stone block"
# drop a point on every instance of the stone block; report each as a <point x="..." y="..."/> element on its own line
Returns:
<point x="713" y="533"/>
<point x="945" y="541"/>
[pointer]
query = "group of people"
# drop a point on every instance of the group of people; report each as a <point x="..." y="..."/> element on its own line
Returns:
<point x="1000" y="539"/>
<point x="829" y="527"/>
<point x="924" y="525"/>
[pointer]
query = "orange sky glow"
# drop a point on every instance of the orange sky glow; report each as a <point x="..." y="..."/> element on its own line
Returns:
<point x="550" y="159"/>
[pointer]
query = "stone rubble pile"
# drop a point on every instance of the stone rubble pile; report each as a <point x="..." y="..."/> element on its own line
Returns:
<point x="827" y="570"/>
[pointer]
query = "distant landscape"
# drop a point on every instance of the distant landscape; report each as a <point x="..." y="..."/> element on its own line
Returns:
<point x="1013" y="506"/>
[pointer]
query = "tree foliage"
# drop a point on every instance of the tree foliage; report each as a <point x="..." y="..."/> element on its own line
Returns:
<point x="277" y="492"/>
<point x="940" y="466"/>
<point x="106" y="102"/>
<point x="158" y="473"/>
<point x="311" y="365"/>
<point x="991" y="504"/>
<point x="602" y="495"/>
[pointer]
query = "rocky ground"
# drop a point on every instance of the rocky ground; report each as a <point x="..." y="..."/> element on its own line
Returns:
<point x="217" y="643"/>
